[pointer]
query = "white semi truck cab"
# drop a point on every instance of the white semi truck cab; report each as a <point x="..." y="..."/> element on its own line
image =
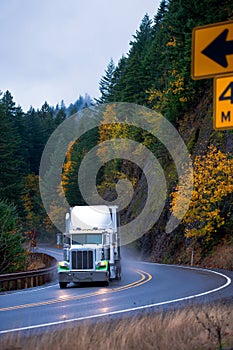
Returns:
<point x="91" y="246"/>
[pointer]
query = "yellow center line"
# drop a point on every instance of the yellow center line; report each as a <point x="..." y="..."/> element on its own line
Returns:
<point x="136" y="283"/>
<point x="40" y="303"/>
<point x="145" y="277"/>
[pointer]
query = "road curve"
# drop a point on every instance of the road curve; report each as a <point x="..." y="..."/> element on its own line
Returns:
<point x="143" y="286"/>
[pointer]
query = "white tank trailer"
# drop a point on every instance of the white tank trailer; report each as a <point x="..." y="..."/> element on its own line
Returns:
<point x="91" y="246"/>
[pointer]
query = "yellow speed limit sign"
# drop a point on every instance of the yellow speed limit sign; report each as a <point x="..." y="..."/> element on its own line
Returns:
<point x="223" y="102"/>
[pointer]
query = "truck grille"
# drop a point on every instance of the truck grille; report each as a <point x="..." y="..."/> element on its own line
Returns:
<point x="82" y="259"/>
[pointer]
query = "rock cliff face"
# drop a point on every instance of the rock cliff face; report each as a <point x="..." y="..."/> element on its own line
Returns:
<point x="196" y="129"/>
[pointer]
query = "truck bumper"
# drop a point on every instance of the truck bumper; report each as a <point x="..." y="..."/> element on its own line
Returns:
<point x="83" y="276"/>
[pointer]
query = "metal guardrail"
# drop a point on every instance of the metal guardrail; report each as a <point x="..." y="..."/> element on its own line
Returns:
<point x="28" y="279"/>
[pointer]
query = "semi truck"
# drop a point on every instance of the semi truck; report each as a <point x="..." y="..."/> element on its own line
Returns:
<point x="91" y="246"/>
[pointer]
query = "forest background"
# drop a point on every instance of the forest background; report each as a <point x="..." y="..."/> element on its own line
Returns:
<point x="155" y="73"/>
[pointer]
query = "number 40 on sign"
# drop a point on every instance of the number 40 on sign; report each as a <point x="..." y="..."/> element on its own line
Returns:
<point x="223" y="99"/>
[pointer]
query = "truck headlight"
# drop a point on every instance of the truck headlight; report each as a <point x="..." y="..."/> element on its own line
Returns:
<point x="101" y="264"/>
<point x="63" y="264"/>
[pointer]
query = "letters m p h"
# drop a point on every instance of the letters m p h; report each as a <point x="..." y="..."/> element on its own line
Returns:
<point x="226" y="117"/>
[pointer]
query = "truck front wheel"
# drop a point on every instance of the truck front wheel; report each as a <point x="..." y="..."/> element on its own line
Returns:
<point x="62" y="285"/>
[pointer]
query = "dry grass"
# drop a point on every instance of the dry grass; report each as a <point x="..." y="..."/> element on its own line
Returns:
<point x="221" y="257"/>
<point x="36" y="265"/>
<point x="187" y="329"/>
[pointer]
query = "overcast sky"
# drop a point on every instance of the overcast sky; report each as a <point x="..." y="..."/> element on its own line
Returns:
<point x="55" y="49"/>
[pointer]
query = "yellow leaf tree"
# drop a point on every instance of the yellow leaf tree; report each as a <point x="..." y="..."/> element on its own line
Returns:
<point x="212" y="197"/>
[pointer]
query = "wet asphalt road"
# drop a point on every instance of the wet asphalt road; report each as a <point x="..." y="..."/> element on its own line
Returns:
<point x="144" y="286"/>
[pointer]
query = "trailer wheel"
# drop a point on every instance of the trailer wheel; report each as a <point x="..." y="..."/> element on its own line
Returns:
<point x="106" y="282"/>
<point x="63" y="285"/>
<point x="118" y="273"/>
<point x="118" y="276"/>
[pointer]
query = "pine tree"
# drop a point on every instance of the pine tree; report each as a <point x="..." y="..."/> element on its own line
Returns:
<point x="60" y="116"/>
<point x="75" y="155"/>
<point x="10" y="161"/>
<point x="17" y="118"/>
<point x="12" y="256"/>
<point x="35" y="140"/>
<point x="106" y="84"/>
<point x="155" y="60"/>
<point x="135" y="78"/>
<point x="162" y="10"/>
<point x="118" y="80"/>
<point x="47" y="121"/>
<point x="33" y="206"/>
<point x="8" y="105"/>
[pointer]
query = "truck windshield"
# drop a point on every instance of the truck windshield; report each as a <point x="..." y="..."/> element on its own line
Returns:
<point x="87" y="239"/>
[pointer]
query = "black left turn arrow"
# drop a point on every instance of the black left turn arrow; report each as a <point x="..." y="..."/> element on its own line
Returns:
<point x="219" y="48"/>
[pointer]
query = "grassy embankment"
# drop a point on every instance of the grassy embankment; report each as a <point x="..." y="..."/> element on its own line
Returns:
<point x="207" y="327"/>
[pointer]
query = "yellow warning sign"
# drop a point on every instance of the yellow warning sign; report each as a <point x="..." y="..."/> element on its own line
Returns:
<point x="223" y="103"/>
<point x="212" y="50"/>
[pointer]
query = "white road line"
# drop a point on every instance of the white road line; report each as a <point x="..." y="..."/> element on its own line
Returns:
<point x="228" y="282"/>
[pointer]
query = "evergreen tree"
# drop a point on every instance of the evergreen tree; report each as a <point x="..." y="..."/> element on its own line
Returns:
<point x="12" y="256"/>
<point x="162" y="10"/>
<point x="50" y="186"/>
<point x="156" y="63"/>
<point x="72" y="109"/>
<point x="10" y="163"/>
<point x="135" y="79"/>
<point x="33" y="206"/>
<point x="16" y="116"/>
<point x="106" y="84"/>
<point x="74" y="158"/>
<point x="47" y="121"/>
<point x="8" y="105"/>
<point x="118" y="84"/>
<point x="35" y="140"/>
<point x="60" y="116"/>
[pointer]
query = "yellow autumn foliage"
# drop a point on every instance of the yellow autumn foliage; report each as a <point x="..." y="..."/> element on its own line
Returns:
<point x="213" y="183"/>
<point x="160" y="98"/>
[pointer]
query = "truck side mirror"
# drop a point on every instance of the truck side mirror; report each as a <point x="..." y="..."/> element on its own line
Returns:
<point x="67" y="240"/>
<point x="59" y="240"/>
